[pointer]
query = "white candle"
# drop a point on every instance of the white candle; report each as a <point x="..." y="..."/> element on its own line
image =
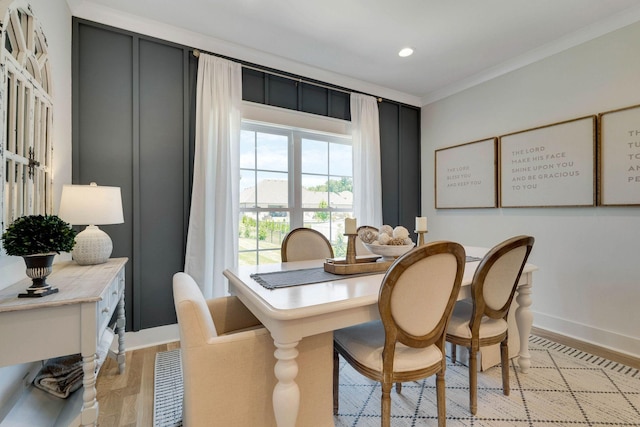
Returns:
<point x="421" y="223"/>
<point x="350" y="226"/>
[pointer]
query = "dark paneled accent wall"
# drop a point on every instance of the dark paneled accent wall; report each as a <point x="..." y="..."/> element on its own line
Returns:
<point x="133" y="127"/>
<point x="131" y="130"/>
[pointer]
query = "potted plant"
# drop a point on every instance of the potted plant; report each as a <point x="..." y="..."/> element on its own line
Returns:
<point x="37" y="239"/>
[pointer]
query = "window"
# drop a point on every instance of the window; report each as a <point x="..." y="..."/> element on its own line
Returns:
<point x="26" y="145"/>
<point x="288" y="179"/>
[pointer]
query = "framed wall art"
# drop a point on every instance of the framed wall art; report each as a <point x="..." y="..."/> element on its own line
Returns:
<point x="619" y="159"/>
<point x="465" y="175"/>
<point x="549" y="166"/>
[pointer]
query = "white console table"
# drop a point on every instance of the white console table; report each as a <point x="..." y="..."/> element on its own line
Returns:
<point x="68" y="322"/>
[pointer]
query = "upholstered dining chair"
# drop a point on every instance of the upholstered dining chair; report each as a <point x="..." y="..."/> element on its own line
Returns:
<point x="416" y="298"/>
<point x="482" y="321"/>
<point x="303" y="243"/>
<point x="228" y="364"/>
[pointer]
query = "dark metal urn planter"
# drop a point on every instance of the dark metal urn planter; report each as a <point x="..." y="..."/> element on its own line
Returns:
<point x="39" y="266"/>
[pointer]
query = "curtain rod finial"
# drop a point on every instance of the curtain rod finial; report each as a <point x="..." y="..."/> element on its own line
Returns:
<point x="196" y="53"/>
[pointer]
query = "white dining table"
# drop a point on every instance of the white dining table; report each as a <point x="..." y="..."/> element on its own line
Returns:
<point x="293" y="313"/>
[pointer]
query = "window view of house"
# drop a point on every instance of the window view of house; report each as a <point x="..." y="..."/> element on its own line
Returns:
<point x="289" y="179"/>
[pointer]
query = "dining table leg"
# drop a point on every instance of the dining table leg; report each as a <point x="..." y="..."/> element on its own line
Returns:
<point x="286" y="393"/>
<point x="524" y="320"/>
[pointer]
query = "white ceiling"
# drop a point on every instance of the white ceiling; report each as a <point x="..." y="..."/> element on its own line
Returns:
<point x="457" y="43"/>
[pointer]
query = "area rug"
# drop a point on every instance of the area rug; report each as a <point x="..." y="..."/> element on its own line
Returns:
<point x="167" y="390"/>
<point x="564" y="387"/>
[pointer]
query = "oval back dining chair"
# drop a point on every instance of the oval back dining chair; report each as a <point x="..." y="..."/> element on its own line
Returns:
<point x="416" y="299"/>
<point x="302" y="244"/>
<point x="483" y="320"/>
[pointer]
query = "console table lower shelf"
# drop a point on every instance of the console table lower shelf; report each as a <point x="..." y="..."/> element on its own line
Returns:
<point x="68" y="322"/>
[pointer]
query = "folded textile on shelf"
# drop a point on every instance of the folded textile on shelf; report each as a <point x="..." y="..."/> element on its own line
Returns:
<point x="61" y="376"/>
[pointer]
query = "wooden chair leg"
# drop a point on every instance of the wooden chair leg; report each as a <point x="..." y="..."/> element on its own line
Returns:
<point x="398" y="387"/>
<point x="336" y="381"/>
<point x="473" y="381"/>
<point x="454" y="350"/>
<point x="385" y="404"/>
<point x="504" y="360"/>
<point x="441" y="400"/>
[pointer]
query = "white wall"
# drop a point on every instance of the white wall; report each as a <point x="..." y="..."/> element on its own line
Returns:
<point x="588" y="285"/>
<point x="55" y="18"/>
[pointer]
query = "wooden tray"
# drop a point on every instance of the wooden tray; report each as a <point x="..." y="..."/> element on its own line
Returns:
<point x="364" y="264"/>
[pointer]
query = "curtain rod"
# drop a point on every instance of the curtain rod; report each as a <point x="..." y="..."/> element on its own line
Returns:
<point x="196" y="53"/>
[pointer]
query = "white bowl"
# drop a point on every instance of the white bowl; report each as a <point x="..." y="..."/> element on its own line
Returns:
<point x="389" y="252"/>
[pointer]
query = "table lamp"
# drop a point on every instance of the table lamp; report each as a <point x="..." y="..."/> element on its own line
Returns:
<point x="91" y="205"/>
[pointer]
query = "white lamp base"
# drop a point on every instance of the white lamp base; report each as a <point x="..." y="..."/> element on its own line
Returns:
<point x="93" y="246"/>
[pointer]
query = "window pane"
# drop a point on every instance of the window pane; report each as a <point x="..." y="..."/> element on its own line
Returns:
<point x="269" y="257"/>
<point x="340" y="192"/>
<point x="272" y="227"/>
<point x="247" y="231"/>
<point x="247" y="258"/>
<point x="247" y="149"/>
<point x="314" y="192"/>
<point x="315" y="156"/>
<point x="341" y="159"/>
<point x="247" y="189"/>
<point x="272" y="152"/>
<point x="273" y="190"/>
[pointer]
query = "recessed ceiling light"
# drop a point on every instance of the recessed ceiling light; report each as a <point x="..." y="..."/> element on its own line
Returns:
<point x="407" y="51"/>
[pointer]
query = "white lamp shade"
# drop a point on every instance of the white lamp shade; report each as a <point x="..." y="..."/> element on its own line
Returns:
<point x="91" y="205"/>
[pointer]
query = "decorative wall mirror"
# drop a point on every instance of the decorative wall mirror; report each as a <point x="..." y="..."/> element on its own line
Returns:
<point x="25" y="116"/>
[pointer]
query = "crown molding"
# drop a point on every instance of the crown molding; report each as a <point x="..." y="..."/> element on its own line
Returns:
<point x="598" y="29"/>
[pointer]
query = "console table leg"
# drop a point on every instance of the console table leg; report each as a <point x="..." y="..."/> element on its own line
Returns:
<point x="120" y="327"/>
<point x="89" y="415"/>
<point x="286" y="394"/>
<point x="524" y="320"/>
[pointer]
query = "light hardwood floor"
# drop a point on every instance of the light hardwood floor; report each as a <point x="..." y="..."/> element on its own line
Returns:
<point x="127" y="400"/>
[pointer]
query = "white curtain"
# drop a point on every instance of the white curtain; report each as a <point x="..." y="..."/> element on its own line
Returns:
<point x="212" y="239"/>
<point x="367" y="182"/>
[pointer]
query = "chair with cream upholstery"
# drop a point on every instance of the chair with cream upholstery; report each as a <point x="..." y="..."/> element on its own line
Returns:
<point x="416" y="298"/>
<point x="228" y="361"/>
<point x="482" y="321"/>
<point x="302" y="244"/>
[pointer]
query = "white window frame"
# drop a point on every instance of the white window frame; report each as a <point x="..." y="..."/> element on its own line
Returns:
<point x="26" y="117"/>
<point x="295" y="209"/>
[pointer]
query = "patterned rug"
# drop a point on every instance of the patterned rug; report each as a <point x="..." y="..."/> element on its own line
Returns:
<point x="167" y="390"/>
<point x="564" y="387"/>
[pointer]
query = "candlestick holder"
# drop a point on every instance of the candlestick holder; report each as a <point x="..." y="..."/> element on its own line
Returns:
<point x="351" y="248"/>
<point x="421" y="238"/>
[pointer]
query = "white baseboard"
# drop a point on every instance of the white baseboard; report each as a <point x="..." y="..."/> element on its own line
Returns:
<point x="149" y="337"/>
<point x="607" y="339"/>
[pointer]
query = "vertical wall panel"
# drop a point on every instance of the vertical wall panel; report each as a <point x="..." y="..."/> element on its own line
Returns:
<point x="161" y="177"/>
<point x="409" y="155"/>
<point x="282" y="92"/>
<point x="103" y="126"/>
<point x="315" y="99"/>
<point x="253" y="86"/>
<point x="132" y="130"/>
<point x="339" y="105"/>
<point x="389" y="156"/>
